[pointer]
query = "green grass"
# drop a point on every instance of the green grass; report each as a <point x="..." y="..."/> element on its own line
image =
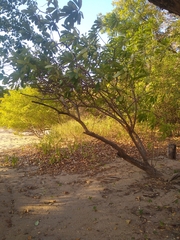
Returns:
<point x="67" y="137"/>
<point x="106" y="127"/>
<point x="70" y="134"/>
<point x="13" y="160"/>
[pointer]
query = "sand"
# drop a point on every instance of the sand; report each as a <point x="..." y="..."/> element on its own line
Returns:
<point x="118" y="203"/>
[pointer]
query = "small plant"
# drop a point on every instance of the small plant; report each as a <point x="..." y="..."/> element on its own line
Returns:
<point x="72" y="147"/>
<point x="50" y="142"/>
<point x="90" y="198"/>
<point x="53" y="159"/>
<point x="150" y="200"/>
<point x="14" y="161"/>
<point x="45" y="147"/>
<point x="140" y="211"/>
<point x="6" y="159"/>
<point x="176" y="201"/>
<point x="159" y="208"/>
<point x="162" y="224"/>
<point x="95" y="208"/>
<point x="146" y="237"/>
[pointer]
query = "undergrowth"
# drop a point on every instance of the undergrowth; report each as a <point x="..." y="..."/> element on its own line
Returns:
<point x="71" y="136"/>
<point x="66" y="138"/>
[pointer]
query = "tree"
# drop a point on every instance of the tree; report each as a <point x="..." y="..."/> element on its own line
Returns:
<point x="81" y="75"/>
<point x="173" y="6"/>
<point x="166" y="85"/>
<point x="17" y="112"/>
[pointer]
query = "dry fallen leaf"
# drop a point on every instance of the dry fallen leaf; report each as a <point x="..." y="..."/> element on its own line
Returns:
<point x="128" y="221"/>
<point x="138" y="198"/>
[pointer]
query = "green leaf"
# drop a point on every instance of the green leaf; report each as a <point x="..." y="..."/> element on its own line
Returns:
<point x="55" y="3"/>
<point x="36" y="223"/>
<point x="66" y="9"/>
<point x="85" y="55"/>
<point x="50" y="9"/>
<point x="117" y="74"/>
<point x="49" y="66"/>
<point x="97" y="87"/>
<point x="67" y="57"/>
<point x="1" y="76"/>
<point x="72" y="5"/>
<point x="21" y="61"/>
<point x="79" y="3"/>
<point x="62" y="14"/>
<point x="84" y="50"/>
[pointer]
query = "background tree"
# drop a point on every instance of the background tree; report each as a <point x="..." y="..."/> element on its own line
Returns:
<point x="160" y="44"/>
<point x="17" y="112"/>
<point x="81" y="75"/>
<point x="164" y="85"/>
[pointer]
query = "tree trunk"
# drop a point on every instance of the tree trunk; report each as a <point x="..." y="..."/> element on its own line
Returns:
<point x="171" y="151"/>
<point x="139" y="145"/>
<point x="145" y="166"/>
<point x="173" y="6"/>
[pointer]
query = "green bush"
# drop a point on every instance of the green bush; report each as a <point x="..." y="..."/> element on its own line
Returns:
<point x="18" y="112"/>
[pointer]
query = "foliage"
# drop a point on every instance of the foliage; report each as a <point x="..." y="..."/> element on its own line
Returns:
<point x="19" y="113"/>
<point x="3" y="90"/>
<point x="119" y="80"/>
<point x="164" y="86"/>
<point x="23" y="24"/>
<point x="153" y="39"/>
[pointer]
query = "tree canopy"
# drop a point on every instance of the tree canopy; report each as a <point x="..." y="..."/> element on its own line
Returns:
<point x="120" y="79"/>
<point x="18" y="112"/>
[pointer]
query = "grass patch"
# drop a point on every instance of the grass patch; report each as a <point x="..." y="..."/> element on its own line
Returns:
<point x="12" y="160"/>
<point x="67" y="147"/>
<point x="70" y="134"/>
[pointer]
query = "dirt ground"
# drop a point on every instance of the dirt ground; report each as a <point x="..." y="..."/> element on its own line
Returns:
<point x="117" y="203"/>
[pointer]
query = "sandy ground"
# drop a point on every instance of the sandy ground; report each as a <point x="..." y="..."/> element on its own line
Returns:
<point x="9" y="140"/>
<point x="119" y="203"/>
